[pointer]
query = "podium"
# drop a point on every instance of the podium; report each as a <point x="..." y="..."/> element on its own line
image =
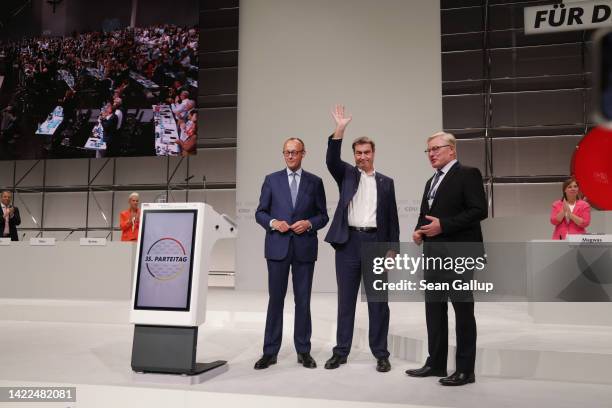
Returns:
<point x="571" y="281"/>
<point x="171" y="284"/>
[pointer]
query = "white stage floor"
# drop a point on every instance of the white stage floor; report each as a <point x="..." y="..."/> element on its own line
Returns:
<point x="519" y="363"/>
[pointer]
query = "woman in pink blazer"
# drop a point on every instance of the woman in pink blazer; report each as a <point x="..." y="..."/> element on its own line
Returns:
<point x="571" y="215"/>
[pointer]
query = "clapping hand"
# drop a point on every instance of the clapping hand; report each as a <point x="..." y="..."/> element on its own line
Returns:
<point x="566" y="209"/>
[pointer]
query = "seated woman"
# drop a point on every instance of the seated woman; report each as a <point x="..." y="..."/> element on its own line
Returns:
<point x="571" y="214"/>
<point x="129" y="220"/>
<point x="189" y="135"/>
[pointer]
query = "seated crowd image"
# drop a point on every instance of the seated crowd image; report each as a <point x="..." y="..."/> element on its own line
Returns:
<point x="105" y="93"/>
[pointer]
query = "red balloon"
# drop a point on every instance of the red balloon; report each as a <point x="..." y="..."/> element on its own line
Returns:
<point x="592" y="167"/>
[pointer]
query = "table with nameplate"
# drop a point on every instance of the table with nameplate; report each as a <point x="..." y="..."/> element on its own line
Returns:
<point x="166" y="131"/>
<point x="143" y="81"/>
<point x="53" y="122"/>
<point x="96" y="140"/>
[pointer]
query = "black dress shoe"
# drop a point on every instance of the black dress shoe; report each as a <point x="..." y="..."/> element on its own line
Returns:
<point x="306" y="360"/>
<point x="335" y="361"/>
<point x="458" y="379"/>
<point x="427" y="371"/>
<point x="265" y="361"/>
<point x="383" y="365"/>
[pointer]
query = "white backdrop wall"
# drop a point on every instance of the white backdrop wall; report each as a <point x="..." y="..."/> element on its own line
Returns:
<point x="297" y="59"/>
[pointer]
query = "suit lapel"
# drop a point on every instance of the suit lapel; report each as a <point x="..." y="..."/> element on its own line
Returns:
<point x="283" y="180"/>
<point x="445" y="181"/>
<point x="351" y="185"/>
<point x="579" y="206"/>
<point x="379" y="195"/>
<point x="303" y="186"/>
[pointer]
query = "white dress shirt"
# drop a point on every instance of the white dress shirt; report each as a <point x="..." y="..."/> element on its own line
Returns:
<point x="362" y="208"/>
<point x="182" y="109"/>
<point x="119" y="115"/>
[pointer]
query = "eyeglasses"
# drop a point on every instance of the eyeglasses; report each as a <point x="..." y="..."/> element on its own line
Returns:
<point x="435" y="149"/>
<point x="289" y="153"/>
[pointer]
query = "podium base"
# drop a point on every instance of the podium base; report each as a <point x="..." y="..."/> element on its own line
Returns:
<point x="168" y="350"/>
<point x="205" y="367"/>
<point x="201" y="373"/>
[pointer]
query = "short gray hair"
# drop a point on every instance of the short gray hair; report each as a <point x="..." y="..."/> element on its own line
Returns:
<point x="134" y="194"/>
<point x="447" y="137"/>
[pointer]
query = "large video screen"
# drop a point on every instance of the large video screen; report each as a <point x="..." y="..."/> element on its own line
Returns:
<point x="82" y="79"/>
<point x="165" y="260"/>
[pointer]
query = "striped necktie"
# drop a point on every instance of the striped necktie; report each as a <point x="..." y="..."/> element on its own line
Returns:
<point x="433" y="188"/>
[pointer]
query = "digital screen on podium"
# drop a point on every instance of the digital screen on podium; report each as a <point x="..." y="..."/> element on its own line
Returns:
<point x="165" y="260"/>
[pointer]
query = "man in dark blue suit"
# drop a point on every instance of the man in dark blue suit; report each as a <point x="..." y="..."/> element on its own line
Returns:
<point x="292" y="208"/>
<point x="366" y="213"/>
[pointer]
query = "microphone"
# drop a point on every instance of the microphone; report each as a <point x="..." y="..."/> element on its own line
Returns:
<point x="189" y="178"/>
<point x="69" y="234"/>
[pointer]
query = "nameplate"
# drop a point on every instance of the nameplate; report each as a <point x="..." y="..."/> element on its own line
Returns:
<point x="589" y="239"/>
<point x="5" y="241"/>
<point x="42" y="241"/>
<point x="92" y="241"/>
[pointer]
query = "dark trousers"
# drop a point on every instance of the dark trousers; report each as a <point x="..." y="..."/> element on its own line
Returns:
<point x="278" y="279"/>
<point x="11" y="236"/>
<point x="348" y="278"/>
<point x="436" y="314"/>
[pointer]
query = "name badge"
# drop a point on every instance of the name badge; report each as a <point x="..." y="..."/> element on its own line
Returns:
<point x="42" y="241"/>
<point x="589" y="238"/>
<point x="92" y="241"/>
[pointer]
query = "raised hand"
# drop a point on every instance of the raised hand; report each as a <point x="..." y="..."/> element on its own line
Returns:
<point x="342" y="120"/>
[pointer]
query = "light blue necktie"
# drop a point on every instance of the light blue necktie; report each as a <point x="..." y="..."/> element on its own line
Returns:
<point x="294" y="188"/>
<point x="433" y="188"/>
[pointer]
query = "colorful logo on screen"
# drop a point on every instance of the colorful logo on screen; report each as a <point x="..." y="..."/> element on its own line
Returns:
<point x="166" y="259"/>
